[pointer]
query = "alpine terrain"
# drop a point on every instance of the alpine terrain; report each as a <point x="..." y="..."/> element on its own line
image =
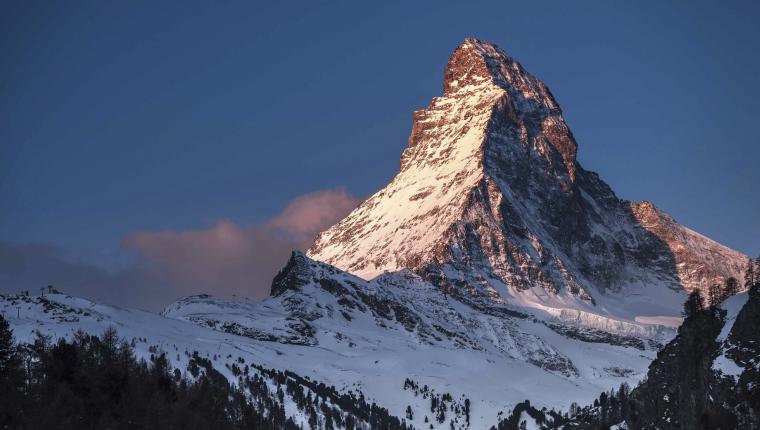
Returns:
<point x="492" y="269"/>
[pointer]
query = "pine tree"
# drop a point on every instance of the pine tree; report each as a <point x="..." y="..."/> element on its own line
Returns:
<point x="467" y="410"/>
<point x="714" y="295"/>
<point x="7" y="347"/>
<point x="749" y="274"/>
<point x="441" y="415"/>
<point x="693" y="304"/>
<point x="731" y="287"/>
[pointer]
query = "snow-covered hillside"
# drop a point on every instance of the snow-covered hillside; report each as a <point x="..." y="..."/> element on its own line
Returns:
<point x="369" y="337"/>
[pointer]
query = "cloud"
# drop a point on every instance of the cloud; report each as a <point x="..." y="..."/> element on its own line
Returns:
<point x="312" y="213"/>
<point x="228" y="259"/>
<point x="224" y="259"/>
<point x="30" y="266"/>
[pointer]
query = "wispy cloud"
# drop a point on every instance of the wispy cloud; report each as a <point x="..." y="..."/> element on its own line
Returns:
<point x="223" y="259"/>
<point x="29" y="266"/>
<point x="307" y="215"/>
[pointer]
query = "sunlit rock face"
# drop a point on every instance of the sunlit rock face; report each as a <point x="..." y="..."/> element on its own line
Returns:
<point x="490" y="203"/>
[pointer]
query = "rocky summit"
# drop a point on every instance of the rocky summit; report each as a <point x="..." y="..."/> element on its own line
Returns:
<point x="491" y="204"/>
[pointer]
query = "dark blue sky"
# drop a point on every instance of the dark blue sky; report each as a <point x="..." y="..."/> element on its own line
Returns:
<point x="127" y="116"/>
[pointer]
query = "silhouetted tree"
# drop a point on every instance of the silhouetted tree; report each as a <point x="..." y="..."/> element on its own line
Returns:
<point x="7" y="345"/>
<point x="756" y="287"/>
<point x="693" y="304"/>
<point x="749" y="274"/>
<point x="11" y="377"/>
<point x="94" y="382"/>
<point x="467" y="410"/>
<point x="731" y="287"/>
<point x="714" y="295"/>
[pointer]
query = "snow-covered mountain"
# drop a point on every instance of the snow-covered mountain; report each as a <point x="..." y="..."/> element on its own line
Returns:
<point x="492" y="268"/>
<point x="706" y="377"/>
<point x="492" y="205"/>
<point x="370" y="337"/>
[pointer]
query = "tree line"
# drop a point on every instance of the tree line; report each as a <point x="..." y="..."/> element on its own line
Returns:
<point x="717" y="293"/>
<point x="679" y="391"/>
<point x="96" y="382"/>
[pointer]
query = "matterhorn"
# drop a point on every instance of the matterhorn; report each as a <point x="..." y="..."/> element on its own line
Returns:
<point x="492" y="269"/>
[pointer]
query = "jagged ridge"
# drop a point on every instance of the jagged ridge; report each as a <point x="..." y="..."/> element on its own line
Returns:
<point x="490" y="201"/>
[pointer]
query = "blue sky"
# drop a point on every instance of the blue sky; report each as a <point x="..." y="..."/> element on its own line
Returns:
<point x="148" y="116"/>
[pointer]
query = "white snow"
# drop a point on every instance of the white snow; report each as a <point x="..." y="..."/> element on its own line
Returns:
<point x="392" y="222"/>
<point x="722" y="363"/>
<point x="530" y="423"/>
<point x="659" y="320"/>
<point x="727" y="366"/>
<point x="732" y="305"/>
<point x="369" y="355"/>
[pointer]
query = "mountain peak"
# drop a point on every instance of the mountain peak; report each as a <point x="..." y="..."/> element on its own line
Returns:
<point x="490" y="201"/>
<point x="293" y="276"/>
<point x="525" y="104"/>
<point x="467" y="65"/>
<point x="475" y="62"/>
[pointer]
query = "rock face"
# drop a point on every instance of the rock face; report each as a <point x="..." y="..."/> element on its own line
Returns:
<point x="700" y="262"/>
<point x="293" y="276"/>
<point x="707" y="377"/>
<point x="490" y="201"/>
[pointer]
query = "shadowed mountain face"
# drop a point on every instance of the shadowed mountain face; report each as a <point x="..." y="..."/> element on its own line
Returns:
<point x="490" y="201"/>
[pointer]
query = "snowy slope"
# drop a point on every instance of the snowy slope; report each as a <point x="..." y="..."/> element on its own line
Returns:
<point x="399" y="326"/>
<point x="723" y="364"/>
<point x="61" y="316"/>
<point x="369" y="337"/>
